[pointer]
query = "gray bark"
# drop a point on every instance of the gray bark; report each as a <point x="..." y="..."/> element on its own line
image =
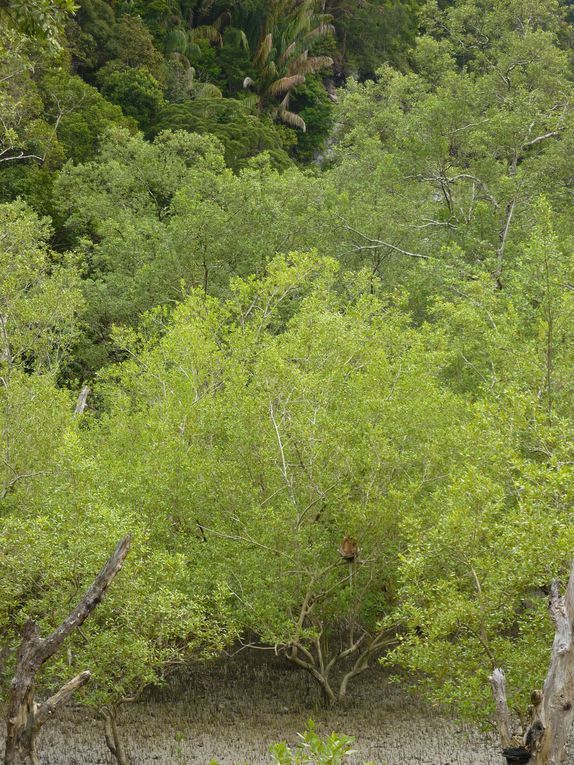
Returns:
<point x="552" y="709"/>
<point x="82" y="400"/>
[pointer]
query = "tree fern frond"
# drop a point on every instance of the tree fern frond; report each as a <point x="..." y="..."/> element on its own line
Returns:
<point x="269" y="72"/>
<point x="243" y="41"/>
<point x="176" y="41"/>
<point x="251" y="101"/>
<point x="208" y="90"/>
<point x="193" y="50"/>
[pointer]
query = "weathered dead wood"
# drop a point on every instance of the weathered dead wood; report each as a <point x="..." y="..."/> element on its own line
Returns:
<point x="47" y="708"/>
<point x="503" y="719"/>
<point x="82" y="400"/>
<point x="25" y="715"/>
<point x="552" y="711"/>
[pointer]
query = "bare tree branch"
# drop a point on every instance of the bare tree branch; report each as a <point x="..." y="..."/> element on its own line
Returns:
<point x="46" y="709"/>
<point x="376" y="244"/>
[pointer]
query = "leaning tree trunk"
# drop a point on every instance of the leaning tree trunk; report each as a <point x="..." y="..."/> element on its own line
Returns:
<point x="25" y="715"/>
<point x="552" y="710"/>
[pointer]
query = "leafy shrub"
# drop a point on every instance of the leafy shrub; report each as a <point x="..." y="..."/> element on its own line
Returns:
<point x="314" y="750"/>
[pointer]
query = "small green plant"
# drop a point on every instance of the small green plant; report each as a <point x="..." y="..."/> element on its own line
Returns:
<point x="331" y="750"/>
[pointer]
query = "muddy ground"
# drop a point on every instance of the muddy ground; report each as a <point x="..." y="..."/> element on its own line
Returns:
<point x="233" y="711"/>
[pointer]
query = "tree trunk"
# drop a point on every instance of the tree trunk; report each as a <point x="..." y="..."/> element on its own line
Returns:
<point x="552" y="710"/>
<point x="113" y="739"/>
<point x="319" y="674"/>
<point x="25" y="715"/>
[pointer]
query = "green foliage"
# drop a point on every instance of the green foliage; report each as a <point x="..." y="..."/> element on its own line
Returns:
<point x="88" y="34"/>
<point x="264" y="404"/>
<point x="131" y="44"/>
<point x="480" y="560"/>
<point x="24" y="132"/>
<point x="39" y="19"/>
<point x="49" y="115"/>
<point x="136" y="90"/>
<point x="373" y="33"/>
<point x="234" y="60"/>
<point x="312" y="103"/>
<point x="331" y="750"/>
<point x="243" y="134"/>
<point x="313" y="749"/>
<point x="83" y="114"/>
<point x="148" y="217"/>
<point x="40" y="293"/>
<point x="57" y="517"/>
<point x="402" y="376"/>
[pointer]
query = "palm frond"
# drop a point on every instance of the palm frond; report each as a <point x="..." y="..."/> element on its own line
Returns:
<point x="207" y="32"/>
<point x="320" y="31"/>
<point x="296" y="65"/>
<point x="287" y="52"/>
<point x="221" y="20"/>
<point x="286" y="83"/>
<point x="290" y="118"/>
<point x="308" y="65"/>
<point x="269" y="72"/>
<point x="243" y="41"/>
<point x="264" y="50"/>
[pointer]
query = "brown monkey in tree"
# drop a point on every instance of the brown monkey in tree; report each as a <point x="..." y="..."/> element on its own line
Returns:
<point x="349" y="549"/>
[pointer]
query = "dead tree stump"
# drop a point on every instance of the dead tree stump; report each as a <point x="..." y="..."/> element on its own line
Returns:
<point x="25" y="715"/>
<point x="552" y="710"/>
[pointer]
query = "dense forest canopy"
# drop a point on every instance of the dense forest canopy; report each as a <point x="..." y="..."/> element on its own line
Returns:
<point x="314" y="262"/>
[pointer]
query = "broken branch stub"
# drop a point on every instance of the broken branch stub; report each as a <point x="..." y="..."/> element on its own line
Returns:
<point x="503" y="720"/>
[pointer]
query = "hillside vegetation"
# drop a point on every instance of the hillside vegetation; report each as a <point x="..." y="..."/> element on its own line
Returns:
<point x="314" y="262"/>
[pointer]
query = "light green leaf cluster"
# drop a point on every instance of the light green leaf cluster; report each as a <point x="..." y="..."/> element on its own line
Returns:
<point x="60" y="518"/>
<point x="331" y="750"/>
<point x="274" y="423"/>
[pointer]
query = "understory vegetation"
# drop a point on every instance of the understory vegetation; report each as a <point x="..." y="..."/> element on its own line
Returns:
<point x="287" y="295"/>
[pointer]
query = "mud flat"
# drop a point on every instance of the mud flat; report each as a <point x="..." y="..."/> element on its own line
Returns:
<point x="233" y="711"/>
